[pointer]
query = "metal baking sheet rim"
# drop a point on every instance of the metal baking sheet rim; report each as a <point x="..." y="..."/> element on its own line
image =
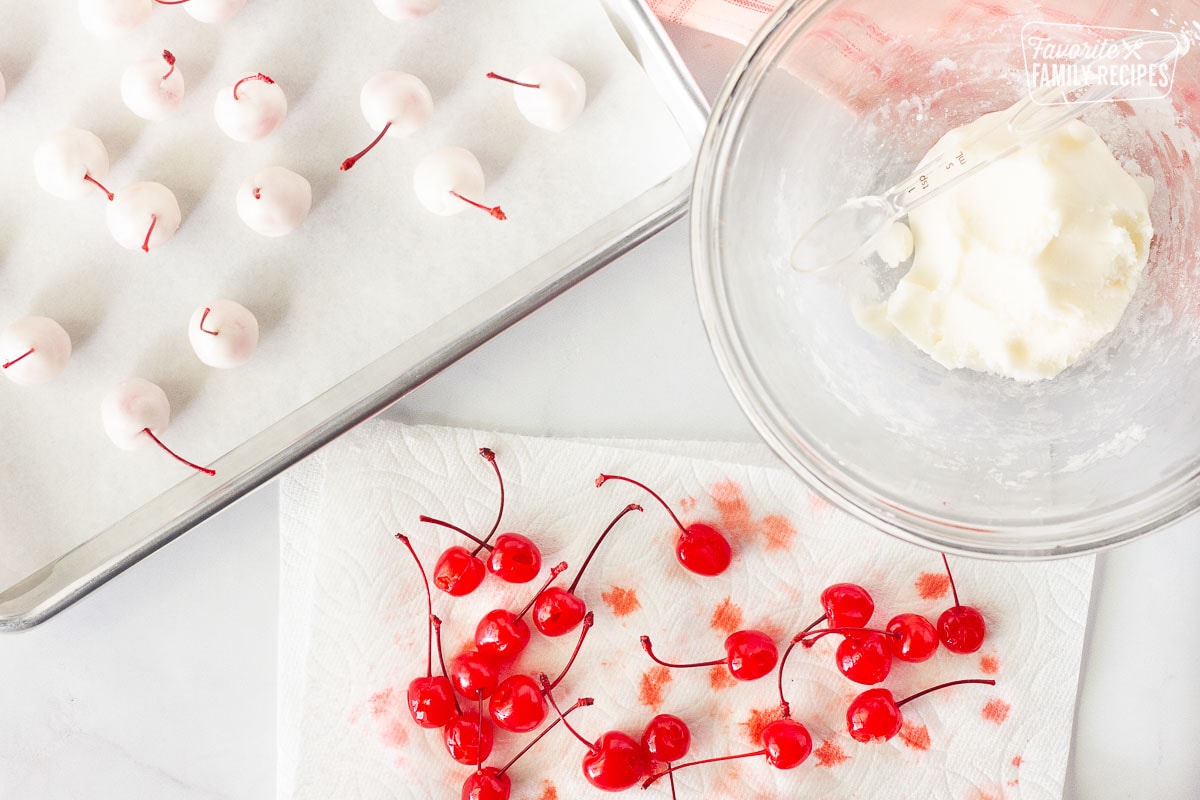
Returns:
<point x="74" y="575"/>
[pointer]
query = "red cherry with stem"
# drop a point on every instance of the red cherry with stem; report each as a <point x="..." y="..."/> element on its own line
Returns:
<point x="474" y="674"/>
<point x="701" y="548"/>
<point x="918" y="638"/>
<point x="864" y="655"/>
<point x="614" y="762"/>
<point x="874" y="716"/>
<point x="514" y="558"/>
<point x="469" y="738"/>
<point x="489" y="783"/>
<point x="846" y="605"/>
<point x="557" y="611"/>
<point x="460" y="571"/>
<point x="749" y="655"/>
<point x="519" y="704"/>
<point x="786" y="744"/>
<point x="502" y="634"/>
<point x="430" y="699"/>
<point x="666" y="739"/>
<point x="961" y="628"/>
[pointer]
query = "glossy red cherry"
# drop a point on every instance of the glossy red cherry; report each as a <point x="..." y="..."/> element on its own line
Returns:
<point x="847" y="605"/>
<point x="457" y="572"/>
<point x="700" y="548"/>
<point x="749" y="655"/>
<point x="431" y="698"/>
<point x="786" y="744"/>
<point x="918" y="638"/>
<point x="557" y="611"/>
<point x="864" y="655"/>
<point x="501" y="634"/>
<point x="518" y="704"/>
<point x="874" y="716"/>
<point x="468" y="739"/>
<point x="961" y="628"/>
<point x="615" y="762"/>
<point x="473" y="674"/>
<point x="666" y="738"/>
<point x="514" y="558"/>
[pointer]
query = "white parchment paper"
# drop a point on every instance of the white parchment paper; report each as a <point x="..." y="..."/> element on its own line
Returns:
<point x="369" y="269"/>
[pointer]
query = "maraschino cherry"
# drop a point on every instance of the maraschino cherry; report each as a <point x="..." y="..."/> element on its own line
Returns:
<point x="473" y="674"/>
<point x="614" y="762"/>
<point x="519" y="703"/>
<point x="34" y="350"/>
<point x="134" y="413"/>
<point x="490" y="783"/>
<point x="786" y="744"/>
<point x="450" y="180"/>
<point x="749" y="655"/>
<point x="430" y="699"/>
<point x="874" y="716"/>
<point x="846" y="605"/>
<point x="701" y="548"/>
<point x="557" y="611"/>
<point x="864" y="655"/>
<point x="502" y="634"/>
<point x="394" y="104"/>
<point x="469" y="738"/>
<point x="918" y="638"/>
<point x="550" y="93"/>
<point x="961" y="628"/>
<point x="667" y="738"/>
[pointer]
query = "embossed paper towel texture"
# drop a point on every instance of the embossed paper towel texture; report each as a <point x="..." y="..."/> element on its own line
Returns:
<point x="353" y="622"/>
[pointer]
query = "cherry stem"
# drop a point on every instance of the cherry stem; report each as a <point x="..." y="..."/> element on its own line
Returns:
<point x="495" y="211"/>
<point x="26" y="354"/>
<point x="582" y="702"/>
<point x="103" y="188"/>
<point x="170" y="2"/>
<point x="203" y="317"/>
<point x="588" y="620"/>
<point x="257" y="77"/>
<point x="146" y="241"/>
<point x="555" y="571"/>
<point x="600" y="482"/>
<point x="814" y="624"/>
<point x="496" y="77"/>
<point x="810" y="638"/>
<point x="671" y="778"/>
<point x="176" y="456"/>
<point x="258" y="193"/>
<point x="596" y="546"/>
<point x="490" y="457"/>
<point x="437" y="632"/>
<point x="647" y="647"/>
<point x="987" y="681"/>
<point x="457" y="529"/>
<point x="950" y="574"/>
<point x="169" y="57"/>
<point x="545" y="682"/>
<point x="352" y="160"/>
<point x="655" y="778"/>
<point x="428" y="604"/>
<point x="784" y="707"/>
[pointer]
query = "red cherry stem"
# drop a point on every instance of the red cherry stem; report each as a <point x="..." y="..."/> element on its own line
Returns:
<point x="555" y="571"/>
<point x="987" y="681"/>
<point x="545" y="682"/>
<point x="169" y="57"/>
<point x="352" y="160"/>
<point x="495" y="211"/>
<point x="814" y="624"/>
<point x="170" y="2"/>
<point x="456" y="529"/>
<point x="808" y="639"/>
<point x="588" y="620"/>
<point x="582" y="702"/>
<point x="950" y="574"/>
<point x="257" y="77"/>
<point x="647" y="647"/>
<point x="103" y="188"/>
<point x="203" y="317"/>
<point x="428" y="604"/>
<point x="26" y="354"/>
<point x="437" y="632"/>
<point x="176" y="456"/>
<point x="146" y="241"/>
<point x="496" y="77"/>
<point x="596" y="546"/>
<point x="784" y="707"/>
<point x="490" y="457"/>
<point x="603" y="478"/>
<point x="655" y="778"/>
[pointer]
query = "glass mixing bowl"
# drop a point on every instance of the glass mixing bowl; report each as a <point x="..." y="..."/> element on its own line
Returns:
<point x="838" y="99"/>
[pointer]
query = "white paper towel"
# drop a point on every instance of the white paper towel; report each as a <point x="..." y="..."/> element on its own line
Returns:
<point x="352" y="624"/>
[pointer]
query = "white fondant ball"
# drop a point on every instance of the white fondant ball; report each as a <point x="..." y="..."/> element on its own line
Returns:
<point x="282" y="203"/>
<point x="63" y="161"/>
<point x="213" y="11"/>
<point x="145" y="92"/>
<point x="559" y="99"/>
<point x="110" y="18"/>
<point x="254" y="114"/>
<point x="396" y="97"/>
<point x="236" y="334"/>
<point x="130" y="408"/>
<point x="450" y="169"/>
<point x="405" y="10"/>
<point x="3" y="88"/>
<point x="135" y="207"/>
<point x="51" y="350"/>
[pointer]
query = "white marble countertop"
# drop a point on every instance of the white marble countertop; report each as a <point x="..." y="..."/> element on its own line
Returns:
<point x="161" y="685"/>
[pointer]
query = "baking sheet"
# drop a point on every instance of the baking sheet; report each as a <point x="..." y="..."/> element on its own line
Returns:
<point x="369" y="297"/>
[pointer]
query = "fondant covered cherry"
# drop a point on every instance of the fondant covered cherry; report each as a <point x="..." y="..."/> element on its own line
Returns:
<point x="274" y="201"/>
<point x="450" y="180"/>
<point x="115" y="17"/>
<point x="143" y="216"/>
<point x="251" y="108"/>
<point x="394" y="104"/>
<point x="71" y="164"/>
<point x="34" y="350"/>
<point x="550" y="93"/>
<point x="213" y="11"/>
<point x="223" y="333"/>
<point x="153" y="88"/>
<point x="135" y="413"/>
<point x="3" y="88"/>
<point x="405" y="10"/>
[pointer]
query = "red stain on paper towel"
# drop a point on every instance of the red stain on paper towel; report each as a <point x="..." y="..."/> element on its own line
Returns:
<point x="549" y="791"/>
<point x="1016" y="761"/>
<point x="736" y="520"/>
<point x="650" y="693"/>
<point x="933" y="585"/>
<point x="996" y="710"/>
<point x="687" y="504"/>
<point x="830" y="755"/>
<point x="621" y="602"/>
<point x="989" y="665"/>
<point x="727" y="617"/>
<point x="759" y="719"/>
<point x="915" y="736"/>
<point x="387" y="709"/>
<point x="719" y="678"/>
<point x="779" y="532"/>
